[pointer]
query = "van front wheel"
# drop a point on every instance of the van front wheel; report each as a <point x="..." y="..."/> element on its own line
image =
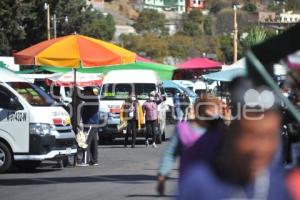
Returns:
<point x="5" y="157"/>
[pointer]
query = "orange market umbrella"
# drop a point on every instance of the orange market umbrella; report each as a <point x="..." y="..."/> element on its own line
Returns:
<point x="74" y="51"/>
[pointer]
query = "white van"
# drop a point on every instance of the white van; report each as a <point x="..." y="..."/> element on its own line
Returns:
<point x="31" y="128"/>
<point x="117" y="86"/>
<point x="62" y="93"/>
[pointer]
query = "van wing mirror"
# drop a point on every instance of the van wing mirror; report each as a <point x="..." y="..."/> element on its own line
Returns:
<point x="164" y="97"/>
<point x="15" y="104"/>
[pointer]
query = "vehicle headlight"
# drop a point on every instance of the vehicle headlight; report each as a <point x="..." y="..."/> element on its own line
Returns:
<point x="39" y="129"/>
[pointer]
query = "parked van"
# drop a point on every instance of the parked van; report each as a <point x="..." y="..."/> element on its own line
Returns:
<point x="117" y="86"/>
<point x="185" y="83"/>
<point x="62" y="93"/>
<point x="173" y="87"/>
<point x="32" y="129"/>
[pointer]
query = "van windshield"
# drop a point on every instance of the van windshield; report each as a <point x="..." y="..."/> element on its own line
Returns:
<point x="34" y="95"/>
<point x="189" y="92"/>
<point x="122" y="91"/>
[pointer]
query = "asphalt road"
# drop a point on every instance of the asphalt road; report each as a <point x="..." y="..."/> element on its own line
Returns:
<point x="121" y="174"/>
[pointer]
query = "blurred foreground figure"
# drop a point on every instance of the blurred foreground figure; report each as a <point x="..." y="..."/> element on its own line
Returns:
<point x="203" y="123"/>
<point x="245" y="166"/>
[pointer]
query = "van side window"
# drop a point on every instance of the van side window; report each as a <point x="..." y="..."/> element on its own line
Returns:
<point x="7" y="98"/>
<point x="171" y="91"/>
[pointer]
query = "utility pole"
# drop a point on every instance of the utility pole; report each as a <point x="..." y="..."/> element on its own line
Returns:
<point x="54" y="25"/>
<point x="47" y="7"/>
<point x="55" y="20"/>
<point x="235" y="34"/>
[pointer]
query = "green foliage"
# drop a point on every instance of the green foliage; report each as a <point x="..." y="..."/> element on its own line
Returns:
<point x="224" y="21"/>
<point x="24" y="23"/>
<point x="195" y="16"/>
<point x="293" y="5"/>
<point x="12" y="31"/>
<point x="255" y="36"/>
<point x="83" y="19"/>
<point x="207" y="25"/>
<point x="250" y="7"/>
<point x="180" y="45"/>
<point x="148" y="45"/>
<point x="215" y="6"/>
<point x="192" y="29"/>
<point x="192" y="23"/>
<point x="151" y="21"/>
<point x="224" y="48"/>
<point x="157" y="48"/>
<point x="226" y="45"/>
<point x="99" y="27"/>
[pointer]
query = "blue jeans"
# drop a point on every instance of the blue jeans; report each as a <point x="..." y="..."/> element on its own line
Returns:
<point x="95" y="119"/>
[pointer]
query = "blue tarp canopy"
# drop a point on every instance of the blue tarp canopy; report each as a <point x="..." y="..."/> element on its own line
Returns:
<point x="229" y="72"/>
<point x="226" y="75"/>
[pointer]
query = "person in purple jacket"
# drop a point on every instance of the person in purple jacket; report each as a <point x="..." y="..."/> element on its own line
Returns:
<point x="150" y="109"/>
<point x="243" y="167"/>
<point x="204" y="127"/>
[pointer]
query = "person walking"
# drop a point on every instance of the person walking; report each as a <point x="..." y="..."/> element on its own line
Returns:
<point x="132" y="114"/>
<point x="184" y="105"/>
<point x="242" y="168"/>
<point x="186" y="134"/>
<point x="176" y="102"/>
<point x="150" y="108"/>
<point x="245" y="164"/>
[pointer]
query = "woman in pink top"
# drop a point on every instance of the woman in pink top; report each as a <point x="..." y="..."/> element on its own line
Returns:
<point x="151" y="116"/>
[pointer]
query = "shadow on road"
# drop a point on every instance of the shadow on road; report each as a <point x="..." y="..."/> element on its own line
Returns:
<point x="131" y="179"/>
<point x="150" y="196"/>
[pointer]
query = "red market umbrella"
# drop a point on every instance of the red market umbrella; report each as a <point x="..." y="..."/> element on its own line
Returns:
<point x="142" y="59"/>
<point x="82" y="79"/>
<point x="199" y="63"/>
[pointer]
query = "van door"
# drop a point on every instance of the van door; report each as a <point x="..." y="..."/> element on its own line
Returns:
<point x="14" y="121"/>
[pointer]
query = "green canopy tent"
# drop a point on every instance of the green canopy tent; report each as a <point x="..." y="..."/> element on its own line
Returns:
<point x="165" y="71"/>
<point x="2" y="65"/>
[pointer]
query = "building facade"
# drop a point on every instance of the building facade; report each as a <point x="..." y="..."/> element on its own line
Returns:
<point x="264" y="17"/>
<point x="289" y="17"/>
<point x="194" y="5"/>
<point x="177" y="6"/>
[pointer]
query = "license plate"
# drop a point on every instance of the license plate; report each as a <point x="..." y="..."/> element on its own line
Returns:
<point x="68" y="121"/>
<point x="68" y="151"/>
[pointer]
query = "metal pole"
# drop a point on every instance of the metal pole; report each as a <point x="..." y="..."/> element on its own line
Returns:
<point x="54" y="25"/>
<point x="75" y="117"/>
<point x="48" y="21"/>
<point x="235" y="34"/>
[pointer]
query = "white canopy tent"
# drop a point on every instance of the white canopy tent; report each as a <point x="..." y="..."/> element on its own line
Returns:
<point x="10" y="63"/>
<point x="239" y="69"/>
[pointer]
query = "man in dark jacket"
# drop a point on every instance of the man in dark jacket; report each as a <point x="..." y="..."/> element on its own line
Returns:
<point x="90" y="120"/>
